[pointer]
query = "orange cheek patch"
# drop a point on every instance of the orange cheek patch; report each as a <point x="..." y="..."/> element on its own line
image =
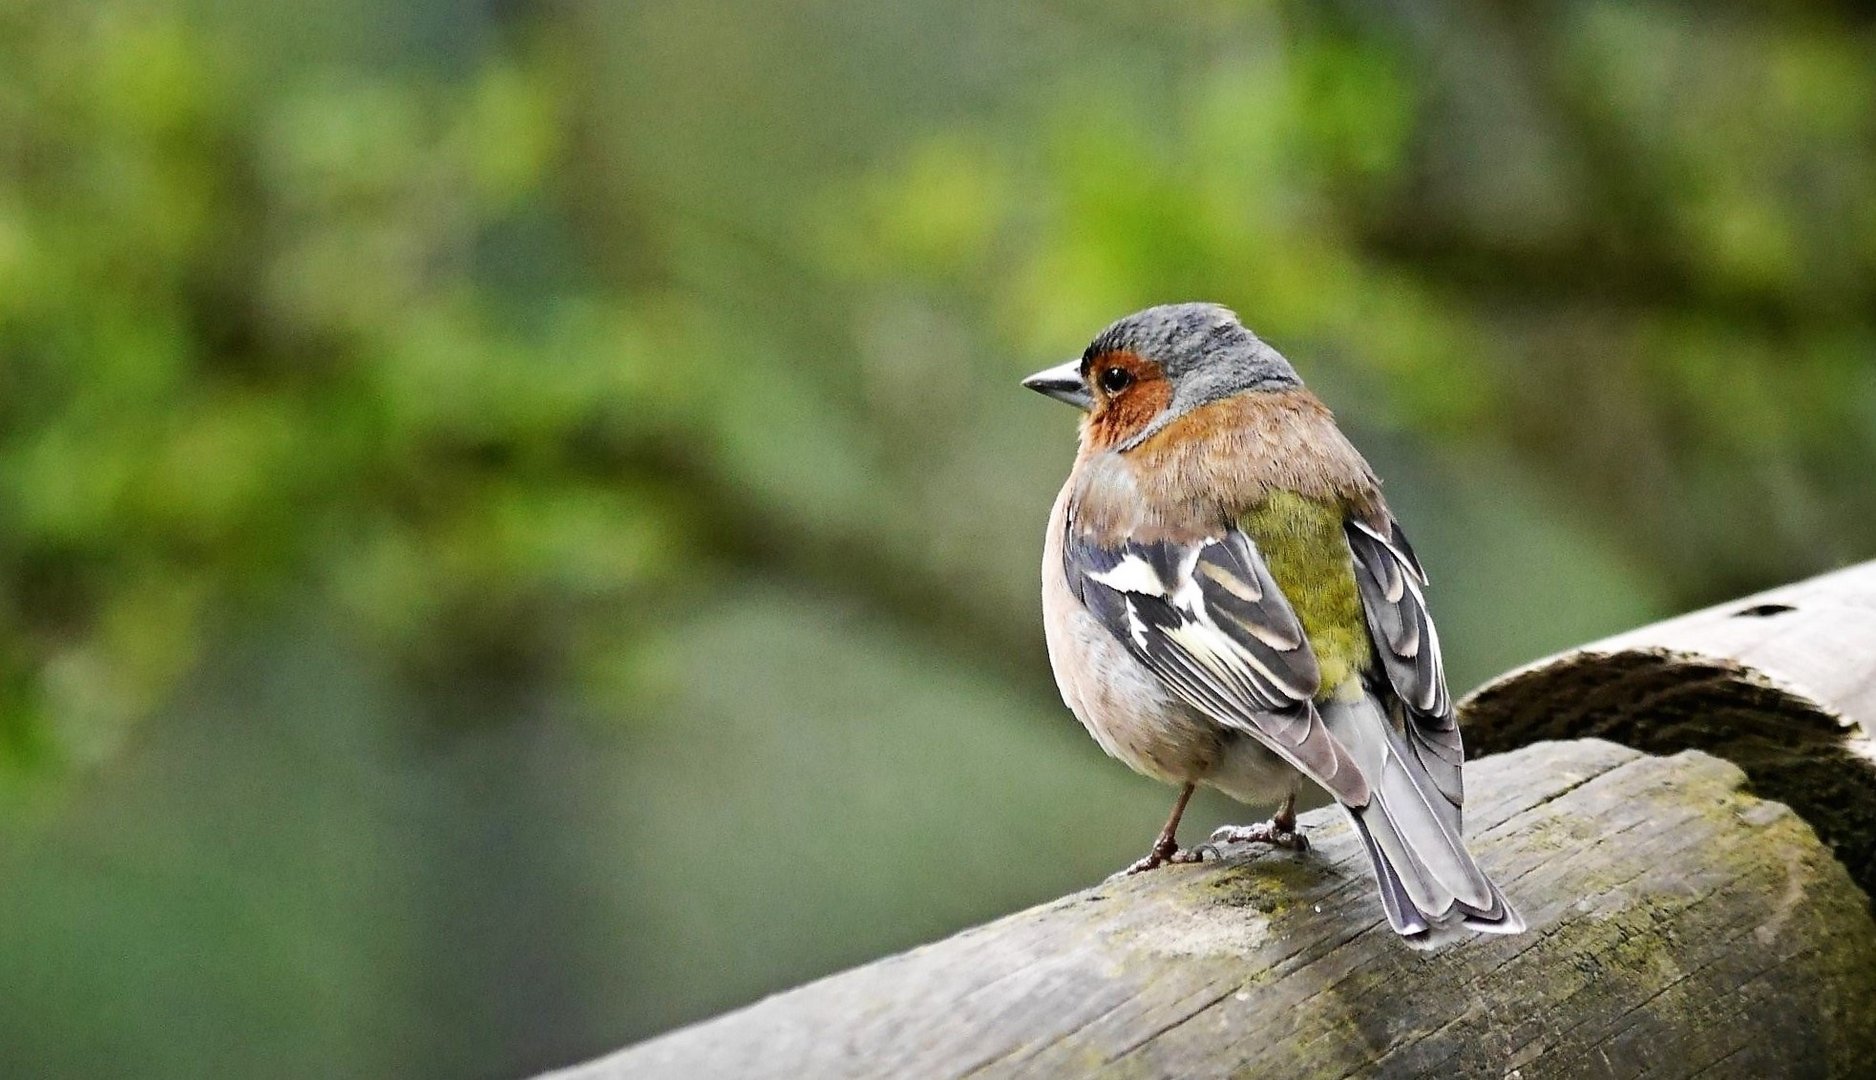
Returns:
<point x="1119" y="417"/>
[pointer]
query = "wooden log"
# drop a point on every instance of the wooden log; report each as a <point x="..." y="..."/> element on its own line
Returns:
<point x="1679" y="926"/>
<point x="1682" y="921"/>
<point x="1782" y="684"/>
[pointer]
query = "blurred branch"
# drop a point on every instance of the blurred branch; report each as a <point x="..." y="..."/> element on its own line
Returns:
<point x="740" y="529"/>
<point x="1564" y="275"/>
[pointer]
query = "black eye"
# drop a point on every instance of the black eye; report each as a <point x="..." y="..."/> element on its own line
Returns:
<point x="1115" y="379"/>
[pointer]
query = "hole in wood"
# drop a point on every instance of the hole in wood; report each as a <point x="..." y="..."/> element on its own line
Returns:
<point x="1662" y="703"/>
<point x="1760" y="611"/>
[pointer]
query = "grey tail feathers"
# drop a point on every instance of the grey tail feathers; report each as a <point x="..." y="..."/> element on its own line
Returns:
<point x="1430" y="886"/>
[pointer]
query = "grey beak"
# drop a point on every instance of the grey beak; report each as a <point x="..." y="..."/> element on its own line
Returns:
<point x="1063" y="383"/>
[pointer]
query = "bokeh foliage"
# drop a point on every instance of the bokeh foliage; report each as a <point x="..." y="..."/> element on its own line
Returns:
<point x="259" y="338"/>
<point x="516" y="524"/>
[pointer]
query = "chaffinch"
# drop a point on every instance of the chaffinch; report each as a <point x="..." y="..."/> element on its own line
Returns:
<point x="1228" y="601"/>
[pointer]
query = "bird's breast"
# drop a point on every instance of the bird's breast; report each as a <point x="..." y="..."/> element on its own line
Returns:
<point x="1130" y="712"/>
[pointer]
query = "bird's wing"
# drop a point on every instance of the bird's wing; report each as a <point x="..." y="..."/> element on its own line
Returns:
<point x="1393" y="595"/>
<point x="1206" y="616"/>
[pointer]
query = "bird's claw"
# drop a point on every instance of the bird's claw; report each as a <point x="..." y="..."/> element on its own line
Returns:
<point x="1157" y="858"/>
<point x="1264" y="832"/>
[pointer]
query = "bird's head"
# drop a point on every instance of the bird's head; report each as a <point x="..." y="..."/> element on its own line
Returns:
<point x="1156" y="365"/>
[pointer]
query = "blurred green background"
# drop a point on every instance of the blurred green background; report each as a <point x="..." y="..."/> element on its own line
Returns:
<point x="517" y="524"/>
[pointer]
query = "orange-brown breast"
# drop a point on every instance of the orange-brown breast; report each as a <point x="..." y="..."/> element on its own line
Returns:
<point x="1223" y="459"/>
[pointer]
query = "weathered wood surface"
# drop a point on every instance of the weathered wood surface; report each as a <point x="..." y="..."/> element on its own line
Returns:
<point x="1782" y="684"/>
<point x="1679" y="927"/>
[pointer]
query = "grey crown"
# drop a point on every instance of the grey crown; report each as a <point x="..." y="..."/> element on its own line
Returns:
<point x="1204" y="350"/>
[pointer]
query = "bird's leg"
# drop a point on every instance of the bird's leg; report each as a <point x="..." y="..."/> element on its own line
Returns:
<point x="1166" y="848"/>
<point x="1279" y="831"/>
<point x="1285" y="817"/>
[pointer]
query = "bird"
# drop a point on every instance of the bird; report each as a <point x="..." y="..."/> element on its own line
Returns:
<point x="1228" y="601"/>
